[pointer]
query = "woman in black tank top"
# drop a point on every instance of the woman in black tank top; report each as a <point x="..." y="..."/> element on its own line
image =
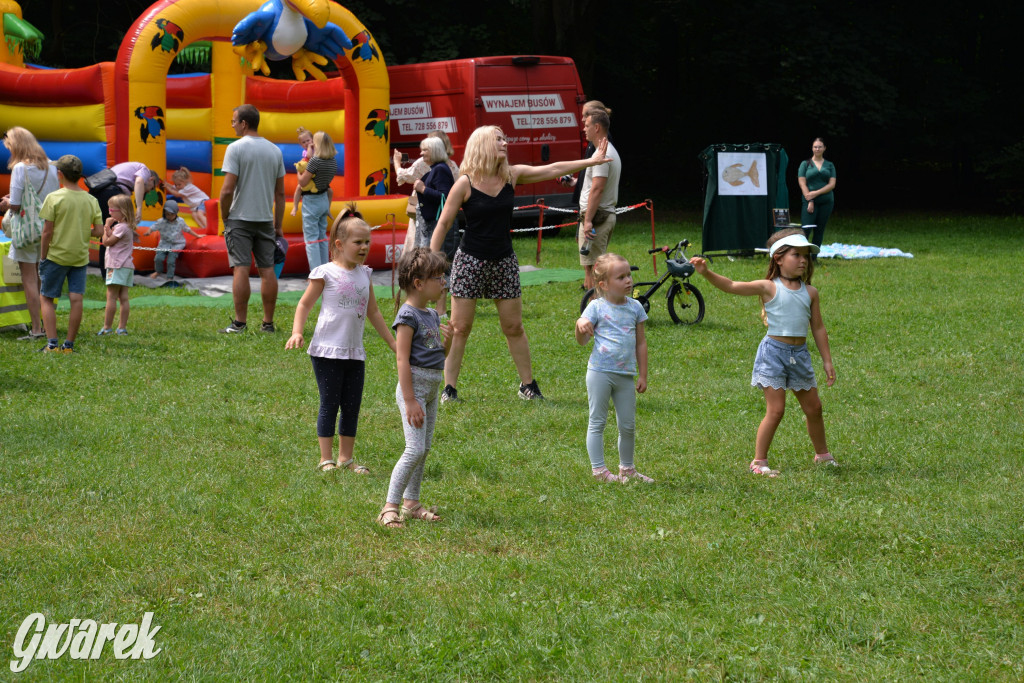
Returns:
<point x="485" y="265"/>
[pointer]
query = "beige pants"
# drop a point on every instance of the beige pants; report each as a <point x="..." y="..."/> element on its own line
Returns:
<point x="599" y="245"/>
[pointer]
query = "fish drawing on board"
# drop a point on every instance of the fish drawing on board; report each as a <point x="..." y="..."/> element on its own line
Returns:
<point x="735" y="174"/>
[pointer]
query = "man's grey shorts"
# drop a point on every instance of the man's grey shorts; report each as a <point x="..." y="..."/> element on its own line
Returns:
<point x="246" y="239"/>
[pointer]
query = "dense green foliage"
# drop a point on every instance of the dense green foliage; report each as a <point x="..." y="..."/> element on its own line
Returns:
<point x="916" y="103"/>
<point x="172" y="471"/>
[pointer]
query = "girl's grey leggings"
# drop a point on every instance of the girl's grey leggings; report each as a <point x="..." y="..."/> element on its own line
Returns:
<point x="621" y="389"/>
<point x="408" y="471"/>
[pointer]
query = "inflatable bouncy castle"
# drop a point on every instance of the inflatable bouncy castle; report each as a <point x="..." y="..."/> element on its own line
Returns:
<point x="132" y="110"/>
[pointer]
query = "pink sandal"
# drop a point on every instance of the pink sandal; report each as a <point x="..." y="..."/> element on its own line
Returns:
<point x="761" y="467"/>
<point x="604" y="475"/>
<point x="627" y="473"/>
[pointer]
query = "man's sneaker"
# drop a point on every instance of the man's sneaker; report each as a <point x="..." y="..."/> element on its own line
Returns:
<point x="267" y="327"/>
<point x="529" y="392"/>
<point x="449" y="395"/>
<point x="234" y="328"/>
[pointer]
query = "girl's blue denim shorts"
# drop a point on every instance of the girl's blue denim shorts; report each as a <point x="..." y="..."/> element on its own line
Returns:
<point x="783" y="366"/>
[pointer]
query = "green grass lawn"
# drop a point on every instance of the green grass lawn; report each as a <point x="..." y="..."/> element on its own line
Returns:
<point x="172" y="471"/>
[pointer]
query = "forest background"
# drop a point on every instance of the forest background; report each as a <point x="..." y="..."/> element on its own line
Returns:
<point x="919" y="103"/>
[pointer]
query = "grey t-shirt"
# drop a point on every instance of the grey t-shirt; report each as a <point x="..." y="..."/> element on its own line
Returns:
<point x="427" y="346"/>
<point x="258" y="163"/>
<point x="171" y="233"/>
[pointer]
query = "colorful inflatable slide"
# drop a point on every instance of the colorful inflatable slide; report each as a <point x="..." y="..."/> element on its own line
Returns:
<point x="131" y="110"/>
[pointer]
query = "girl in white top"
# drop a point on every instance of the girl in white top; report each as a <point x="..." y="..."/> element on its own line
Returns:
<point x="783" y="361"/>
<point x="192" y="196"/>
<point x="336" y="349"/>
<point x="30" y="172"/>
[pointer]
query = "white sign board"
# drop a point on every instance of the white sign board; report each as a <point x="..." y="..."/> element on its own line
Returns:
<point x="424" y="126"/>
<point x="742" y="173"/>
<point x="552" y="102"/>
<point x="564" y="119"/>
<point x="411" y="110"/>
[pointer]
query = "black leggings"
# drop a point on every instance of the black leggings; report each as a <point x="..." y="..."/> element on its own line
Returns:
<point x="340" y="382"/>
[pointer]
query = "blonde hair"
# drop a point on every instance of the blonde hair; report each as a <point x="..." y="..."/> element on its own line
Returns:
<point x="323" y="146"/>
<point x="124" y="203"/>
<point x="347" y="218"/>
<point x="443" y="137"/>
<point x="182" y="174"/>
<point x="594" y="105"/>
<point x="481" y="158"/>
<point x="302" y="130"/>
<point x="602" y="265"/>
<point x="25" y="148"/>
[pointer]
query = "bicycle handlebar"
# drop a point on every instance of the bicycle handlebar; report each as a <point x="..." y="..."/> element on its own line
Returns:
<point x="682" y="244"/>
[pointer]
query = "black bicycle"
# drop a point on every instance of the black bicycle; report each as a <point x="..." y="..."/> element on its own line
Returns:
<point x="685" y="303"/>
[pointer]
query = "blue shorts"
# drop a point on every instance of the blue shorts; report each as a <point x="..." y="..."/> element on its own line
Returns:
<point x="121" y="276"/>
<point x="52" y="276"/>
<point x="783" y="366"/>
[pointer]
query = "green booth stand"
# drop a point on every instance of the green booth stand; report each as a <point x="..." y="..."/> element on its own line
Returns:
<point x="745" y="186"/>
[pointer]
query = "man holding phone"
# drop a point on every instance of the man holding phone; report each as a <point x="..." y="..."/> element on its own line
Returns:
<point x="598" y="197"/>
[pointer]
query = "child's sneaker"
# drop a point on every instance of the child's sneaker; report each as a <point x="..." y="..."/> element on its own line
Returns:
<point x="604" y="475"/>
<point x="449" y="395"/>
<point x="122" y="331"/>
<point x="67" y="347"/>
<point x="50" y="348"/>
<point x="234" y="328"/>
<point x="105" y="330"/>
<point x="530" y="392"/>
<point x="630" y="473"/>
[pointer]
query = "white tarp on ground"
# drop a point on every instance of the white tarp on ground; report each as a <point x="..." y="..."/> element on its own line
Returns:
<point x="856" y="251"/>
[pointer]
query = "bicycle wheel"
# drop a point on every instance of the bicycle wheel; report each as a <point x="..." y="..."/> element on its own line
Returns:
<point x="685" y="304"/>
<point x="587" y="296"/>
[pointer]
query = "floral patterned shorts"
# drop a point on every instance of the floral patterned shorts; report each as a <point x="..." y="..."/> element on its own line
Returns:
<point x="474" y="278"/>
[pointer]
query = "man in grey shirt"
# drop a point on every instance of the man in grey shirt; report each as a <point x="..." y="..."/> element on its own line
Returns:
<point x="252" y="207"/>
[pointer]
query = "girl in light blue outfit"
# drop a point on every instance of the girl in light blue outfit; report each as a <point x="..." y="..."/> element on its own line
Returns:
<point x="783" y="363"/>
<point x="616" y="322"/>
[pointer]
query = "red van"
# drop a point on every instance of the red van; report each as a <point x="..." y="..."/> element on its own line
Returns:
<point x="536" y="101"/>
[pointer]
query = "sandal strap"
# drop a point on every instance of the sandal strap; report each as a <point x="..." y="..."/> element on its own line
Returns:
<point x="354" y="466"/>
<point x="325" y="463"/>
<point x="419" y="512"/>
<point x="390" y="517"/>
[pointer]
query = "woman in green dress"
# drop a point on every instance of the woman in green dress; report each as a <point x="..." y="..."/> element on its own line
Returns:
<point x="817" y="178"/>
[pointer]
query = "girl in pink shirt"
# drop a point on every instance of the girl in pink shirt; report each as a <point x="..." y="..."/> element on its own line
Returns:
<point x="119" y="236"/>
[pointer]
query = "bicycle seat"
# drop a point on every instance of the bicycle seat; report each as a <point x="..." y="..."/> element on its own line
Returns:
<point x="679" y="268"/>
